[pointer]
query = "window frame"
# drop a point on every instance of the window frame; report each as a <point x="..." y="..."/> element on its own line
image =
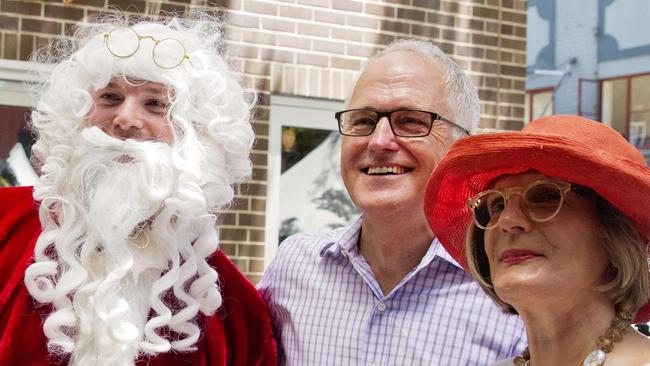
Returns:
<point x="628" y="96"/>
<point x="531" y="95"/>
<point x="295" y="111"/>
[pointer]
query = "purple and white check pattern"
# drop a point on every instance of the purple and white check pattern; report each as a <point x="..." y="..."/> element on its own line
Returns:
<point x="328" y="309"/>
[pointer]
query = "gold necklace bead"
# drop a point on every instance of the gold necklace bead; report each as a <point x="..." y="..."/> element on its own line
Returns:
<point x="615" y="334"/>
<point x="605" y="344"/>
<point x="519" y="361"/>
<point x="626" y="315"/>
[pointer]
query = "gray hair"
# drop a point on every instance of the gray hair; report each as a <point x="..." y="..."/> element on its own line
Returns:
<point x="462" y="96"/>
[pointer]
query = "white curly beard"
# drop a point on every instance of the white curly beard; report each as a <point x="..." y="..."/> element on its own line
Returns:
<point x="122" y="256"/>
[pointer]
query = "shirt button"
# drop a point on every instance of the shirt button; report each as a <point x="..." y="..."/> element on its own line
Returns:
<point x="381" y="307"/>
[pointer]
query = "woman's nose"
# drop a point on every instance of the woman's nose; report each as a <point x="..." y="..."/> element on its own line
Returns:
<point x="513" y="219"/>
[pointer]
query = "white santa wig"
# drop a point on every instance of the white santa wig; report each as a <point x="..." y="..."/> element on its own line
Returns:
<point x="85" y="264"/>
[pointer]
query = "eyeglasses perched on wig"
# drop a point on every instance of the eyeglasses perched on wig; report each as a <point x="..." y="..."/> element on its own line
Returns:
<point x="540" y="201"/>
<point x="403" y="122"/>
<point x="124" y="42"/>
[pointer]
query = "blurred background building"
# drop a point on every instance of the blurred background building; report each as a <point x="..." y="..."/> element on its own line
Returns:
<point x="591" y="58"/>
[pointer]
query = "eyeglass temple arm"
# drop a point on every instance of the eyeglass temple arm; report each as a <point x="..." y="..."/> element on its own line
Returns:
<point x="454" y="124"/>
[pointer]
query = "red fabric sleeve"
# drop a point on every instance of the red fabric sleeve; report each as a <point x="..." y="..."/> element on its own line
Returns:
<point x="248" y="327"/>
<point x="22" y="341"/>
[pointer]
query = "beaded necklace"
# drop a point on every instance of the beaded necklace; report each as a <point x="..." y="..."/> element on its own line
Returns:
<point x="604" y="343"/>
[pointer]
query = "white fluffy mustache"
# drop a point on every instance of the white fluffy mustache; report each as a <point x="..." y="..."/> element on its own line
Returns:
<point x="128" y="179"/>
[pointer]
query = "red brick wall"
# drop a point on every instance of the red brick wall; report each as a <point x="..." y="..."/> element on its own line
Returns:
<point x="312" y="48"/>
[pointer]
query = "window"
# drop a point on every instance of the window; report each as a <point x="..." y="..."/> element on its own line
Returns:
<point x="305" y="191"/>
<point x="626" y="108"/>
<point x="15" y="147"/>
<point x="15" y="138"/>
<point x="640" y="111"/>
<point x="539" y="103"/>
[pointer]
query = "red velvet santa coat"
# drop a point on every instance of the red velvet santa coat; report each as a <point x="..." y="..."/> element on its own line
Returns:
<point x="239" y="333"/>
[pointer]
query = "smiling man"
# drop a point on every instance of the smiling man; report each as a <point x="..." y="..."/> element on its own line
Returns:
<point x="112" y="259"/>
<point x="383" y="291"/>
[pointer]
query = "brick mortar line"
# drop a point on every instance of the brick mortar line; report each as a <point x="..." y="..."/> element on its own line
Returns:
<point x="368" y="30"/>
<point x="375" y="17"/>
<point x="378" y="45"/>
<point x="362" y="59"/>
<point x="389" y="5"/>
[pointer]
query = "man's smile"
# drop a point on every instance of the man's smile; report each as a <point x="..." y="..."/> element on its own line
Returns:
<point x="386" y="170"/>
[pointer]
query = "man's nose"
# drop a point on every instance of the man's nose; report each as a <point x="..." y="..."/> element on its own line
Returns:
<point x="383" y="138"/>
<point x="127" y="117"/>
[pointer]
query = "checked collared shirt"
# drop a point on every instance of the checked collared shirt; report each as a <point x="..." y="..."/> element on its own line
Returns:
<point x="328" y="309"/>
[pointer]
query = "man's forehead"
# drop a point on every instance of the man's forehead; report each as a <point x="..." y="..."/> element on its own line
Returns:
<point x="403" y="79"/>
<point x="128" y="82"/>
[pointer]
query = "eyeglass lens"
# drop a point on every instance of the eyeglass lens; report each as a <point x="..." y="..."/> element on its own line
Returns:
<point x="540" y="202"/>
<point x="124" y="42"/>
<point x="404" y="123"/>
<point x="168" y="53"/>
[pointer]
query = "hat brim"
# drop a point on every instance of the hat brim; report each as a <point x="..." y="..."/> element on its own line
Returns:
<point x="474" y="162"/>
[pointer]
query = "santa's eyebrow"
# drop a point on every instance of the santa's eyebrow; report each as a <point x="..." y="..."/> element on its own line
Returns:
<point x="160" y="91"/>
<point x="156" y="90"/>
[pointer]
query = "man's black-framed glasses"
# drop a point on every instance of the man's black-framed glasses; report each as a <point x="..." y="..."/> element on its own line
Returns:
<point x="403" y="122"/>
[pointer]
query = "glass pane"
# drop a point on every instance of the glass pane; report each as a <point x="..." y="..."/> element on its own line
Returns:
<point x="640" y="112"/>
<point x="639" y="130"/>
<point x="298" y="142"/>
<point x="15" y="148"/>
<point x="614" y="104"/>
<point x="312" y="195"/>
<point x="640" y="98"/>
<point x="542" y="104"/>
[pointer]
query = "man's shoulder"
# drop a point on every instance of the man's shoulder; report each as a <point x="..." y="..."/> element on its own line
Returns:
<point x="310" y="239"/>
<point x="309" y="244"/>
<point x="300" y="252"/>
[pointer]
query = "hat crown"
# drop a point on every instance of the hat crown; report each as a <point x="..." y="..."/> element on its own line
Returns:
<point x="593" y="135"/>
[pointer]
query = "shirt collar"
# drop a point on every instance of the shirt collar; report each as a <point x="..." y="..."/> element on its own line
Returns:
<point x="440" y="251"/>
<point x="345" y="243"/>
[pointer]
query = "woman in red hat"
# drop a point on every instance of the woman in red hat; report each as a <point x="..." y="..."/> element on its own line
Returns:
<point x="553" y="222"/>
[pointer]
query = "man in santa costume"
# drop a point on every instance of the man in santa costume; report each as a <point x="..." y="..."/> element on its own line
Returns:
<point x="112" y="257"/>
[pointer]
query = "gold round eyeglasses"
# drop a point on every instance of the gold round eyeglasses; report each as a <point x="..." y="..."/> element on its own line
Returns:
<point x="540" y="201"/>
<point x="124" y="42"/>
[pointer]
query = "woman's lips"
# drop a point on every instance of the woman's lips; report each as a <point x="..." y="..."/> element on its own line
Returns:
<point x="516" y="256"/>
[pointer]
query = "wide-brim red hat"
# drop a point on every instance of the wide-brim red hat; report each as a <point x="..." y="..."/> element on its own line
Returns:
<point x="571" y="148"/>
